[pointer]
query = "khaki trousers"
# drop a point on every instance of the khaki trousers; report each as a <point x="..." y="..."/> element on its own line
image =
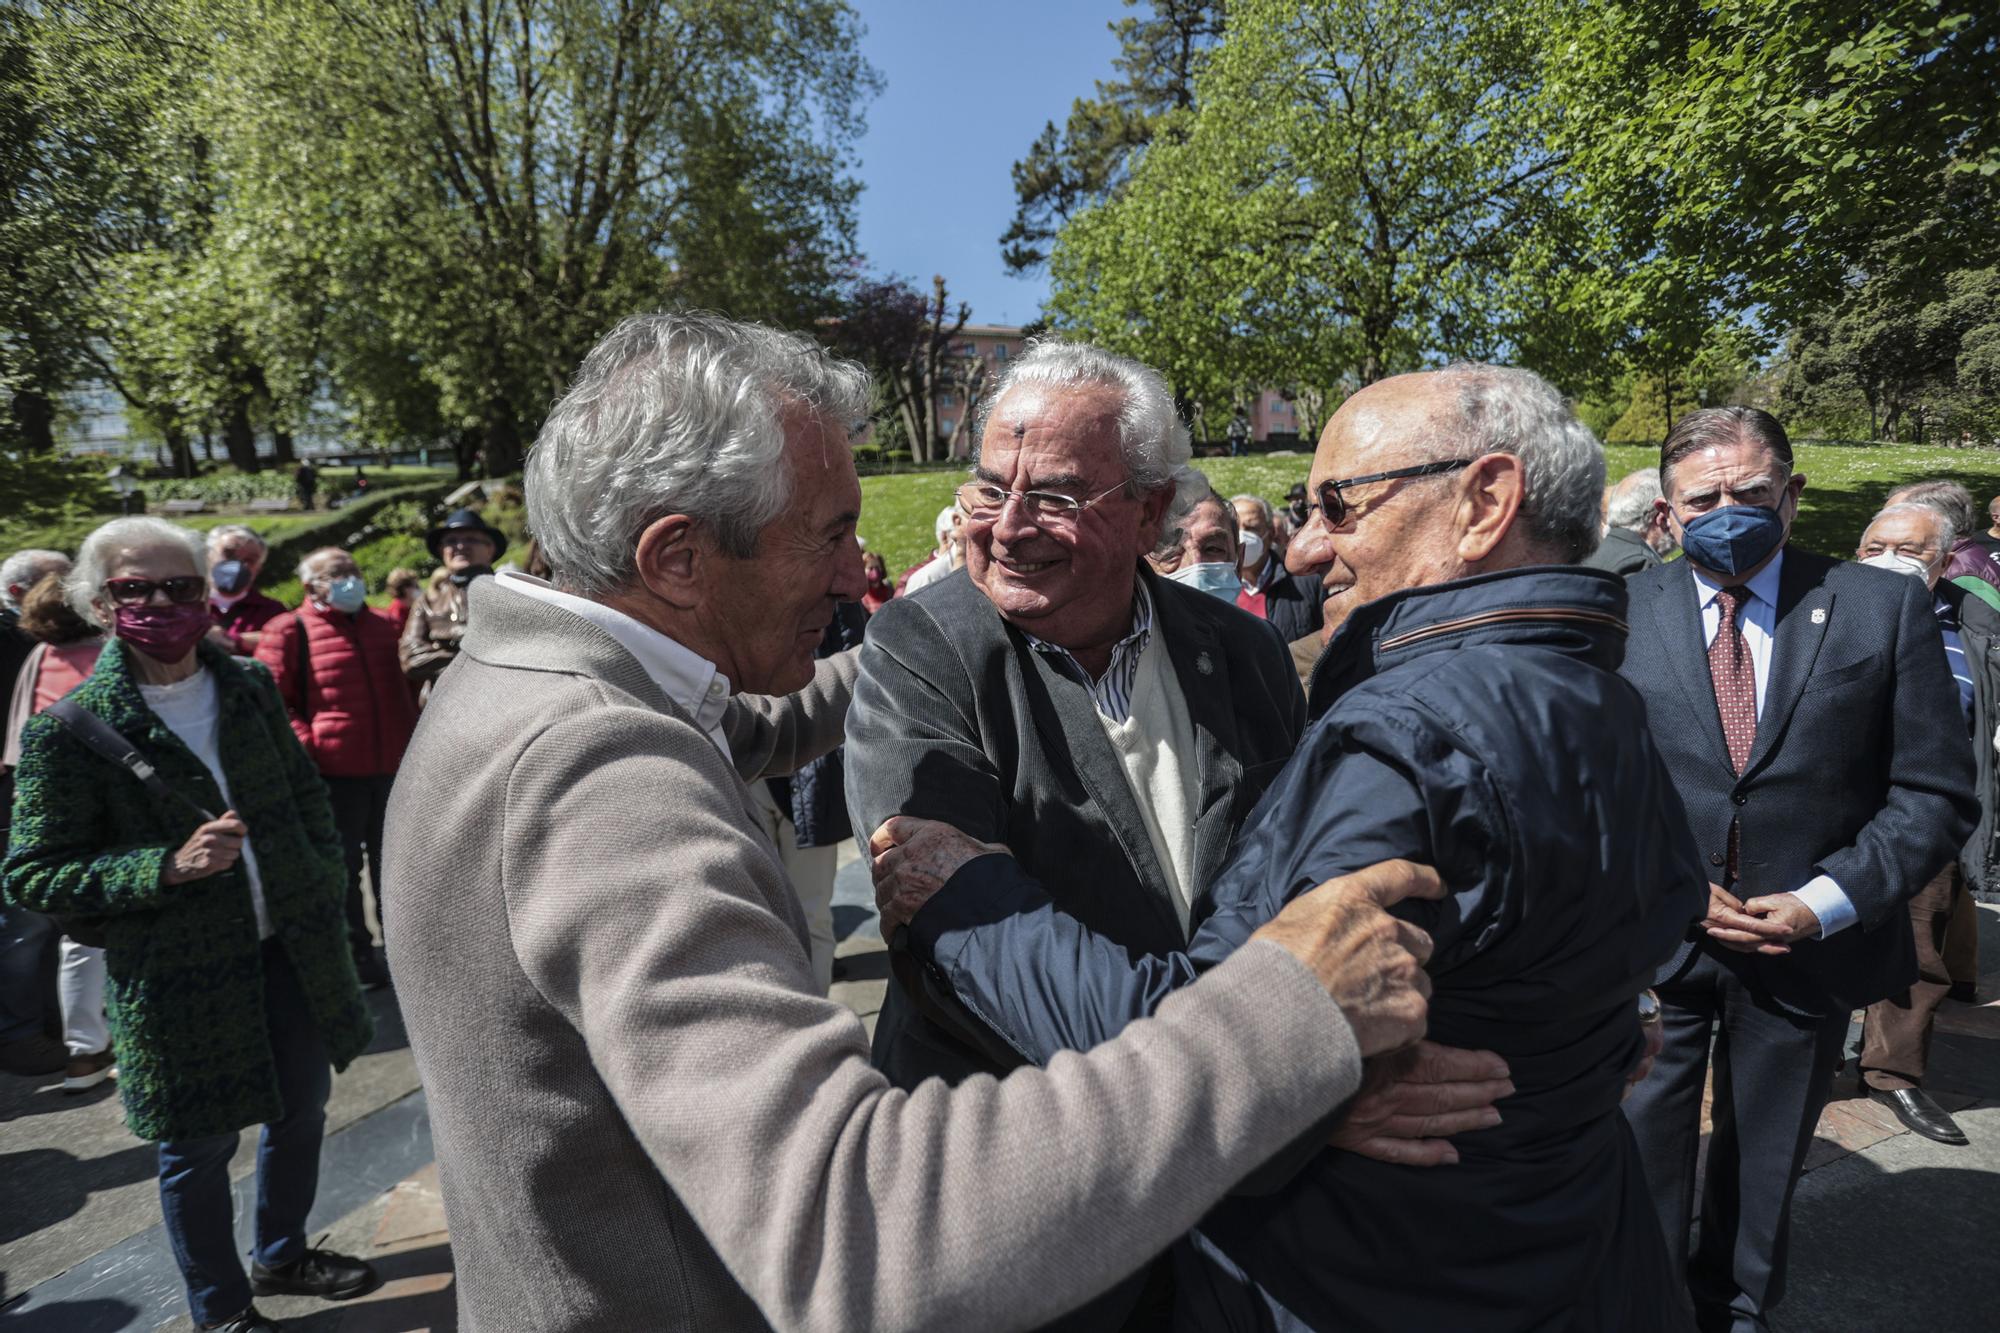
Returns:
<point x="1896" y="1039"/>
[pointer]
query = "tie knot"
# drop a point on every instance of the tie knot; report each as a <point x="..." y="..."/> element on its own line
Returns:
<point x="1732" y="600"/>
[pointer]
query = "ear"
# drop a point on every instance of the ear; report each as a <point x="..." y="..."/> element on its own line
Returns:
<point x="1489" y="498"/>
<point x="1153" y="508"/>
<point x="670" y="559"/>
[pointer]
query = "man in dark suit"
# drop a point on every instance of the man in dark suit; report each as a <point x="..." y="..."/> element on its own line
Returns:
<point x="1800" y="704"/>
<point x="1111" y="728"/>
<point x="1635" y="532"/>
<point x="1290" y="602"/>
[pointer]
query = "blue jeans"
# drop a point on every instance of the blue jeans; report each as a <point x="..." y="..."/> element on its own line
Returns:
<point x="194" y="1173"/>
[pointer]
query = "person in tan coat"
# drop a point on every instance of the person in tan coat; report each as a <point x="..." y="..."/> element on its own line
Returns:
<point x="644" y="1115"/>
<point x="467" y="547"/>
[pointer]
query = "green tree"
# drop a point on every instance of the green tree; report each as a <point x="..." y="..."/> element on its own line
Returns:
<point x="1363" y="185"/>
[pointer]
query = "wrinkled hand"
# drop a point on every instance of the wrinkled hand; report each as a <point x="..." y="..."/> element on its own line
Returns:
<point x="1412" y="1102"/>
<point x="911" y="859"/>
<point x="1732" y="926"/>
<point x="1787" y="912"/>
<point x="209" y="850"/>
<point x="1370" y="963"/>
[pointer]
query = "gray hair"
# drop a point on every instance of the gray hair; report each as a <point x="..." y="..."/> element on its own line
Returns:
<point x="1632" y="500"/>
<point x="1948" y="499"/>
<point x="1721" y="428"/>
<point x="1150" y="432"/>
<point x="314" y="556"/>
<point x="24" y="569"/>
<point x="1505" y="410"/>
<point x="1263" y="505"/>
<point x="1192" y="490"/>
<point x="93" y="559"/>
<point x="676" y="414"/>
<point x="1932" y="512"/>
<point x="220" y="535"/>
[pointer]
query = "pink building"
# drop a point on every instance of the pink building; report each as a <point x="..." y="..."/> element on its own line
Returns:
<point x="991" y="344"/>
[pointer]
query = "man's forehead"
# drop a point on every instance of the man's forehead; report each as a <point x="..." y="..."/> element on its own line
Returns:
<point x="1738" y="462"/>
<point x="1055" y="429"/>
<point x="1924" y="527"/>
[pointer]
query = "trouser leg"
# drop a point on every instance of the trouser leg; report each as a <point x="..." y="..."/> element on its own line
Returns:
<point x="80" y="987"/>
<point x="201" y="1225"/>
<point x="1773" y="1070"/>
<point x="379" y="788"/>
<point x="288" y="1154"/>
<point x="1961" y="938"/>
<point x="25" y="937"/>
<point x="1896" y="1040"/>
<point x="350" y="799"/>
<point x="777" y="824"/>
<point x="1665" y="1109"/>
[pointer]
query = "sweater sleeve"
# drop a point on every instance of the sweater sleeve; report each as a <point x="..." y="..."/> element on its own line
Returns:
<point x="57" y="857"/>
<point x="836" y="1201"/>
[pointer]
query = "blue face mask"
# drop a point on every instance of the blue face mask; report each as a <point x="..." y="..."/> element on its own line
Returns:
<point x="1732" y="539"/>
<point x="1216" y="579"/>
<point x="229" y="576"/>
<point x="347" y="594"/>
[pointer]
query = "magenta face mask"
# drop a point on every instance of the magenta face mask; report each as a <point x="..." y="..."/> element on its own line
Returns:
<point x="163" y="633"/>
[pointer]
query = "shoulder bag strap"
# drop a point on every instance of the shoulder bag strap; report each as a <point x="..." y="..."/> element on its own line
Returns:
<point x="100" y="736"/>
<point x="305" y="668"/>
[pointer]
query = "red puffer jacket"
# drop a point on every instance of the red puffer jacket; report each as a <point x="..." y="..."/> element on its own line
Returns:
<point x="343" y="687"/>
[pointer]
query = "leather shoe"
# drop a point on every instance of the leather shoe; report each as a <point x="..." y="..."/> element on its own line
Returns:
<point x="321" y="1273"/>
<point x="1914" y="1107"/>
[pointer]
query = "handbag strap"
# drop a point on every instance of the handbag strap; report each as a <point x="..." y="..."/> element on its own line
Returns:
<point x="102" y="738"/>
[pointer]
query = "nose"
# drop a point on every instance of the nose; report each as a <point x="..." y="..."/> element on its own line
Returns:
<point x="158" y="597"/>
<point x="1012" y="524"/>
<point x="850" y="579"/>
<point x="1311" y="548"/>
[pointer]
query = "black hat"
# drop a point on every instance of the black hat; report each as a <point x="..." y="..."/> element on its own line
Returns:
<point x="465" y="520"/>
<point x="1298" y="491"/>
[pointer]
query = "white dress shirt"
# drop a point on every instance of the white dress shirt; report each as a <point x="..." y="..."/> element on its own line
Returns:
<point x="1757" y="619"/>
<point x="682" y="674"/>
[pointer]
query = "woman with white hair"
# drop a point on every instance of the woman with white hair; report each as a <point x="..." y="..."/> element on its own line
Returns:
<point x="230" y="991"/>
<point x="948" y="555"/>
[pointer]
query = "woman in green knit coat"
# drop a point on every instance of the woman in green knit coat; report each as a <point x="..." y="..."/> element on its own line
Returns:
<point x="230" y="988"/>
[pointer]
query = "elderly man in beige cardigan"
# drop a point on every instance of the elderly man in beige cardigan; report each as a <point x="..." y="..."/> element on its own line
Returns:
<point x="645" y="1115"/>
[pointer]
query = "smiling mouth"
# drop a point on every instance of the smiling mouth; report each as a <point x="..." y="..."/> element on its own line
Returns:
<point x="1027" y="566"/>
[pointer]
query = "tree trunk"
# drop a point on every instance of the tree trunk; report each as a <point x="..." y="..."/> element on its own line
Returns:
<point x="208" y="446"/>
<point x="465" y="452"/>
<point x="503" y="442"/>
<point x="281" y="446"/>
<point x="238" y="439"/>
<point x="35" y="419"/>
<point x="180" y="450"/>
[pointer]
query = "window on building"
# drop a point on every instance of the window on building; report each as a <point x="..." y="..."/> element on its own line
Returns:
<point x="946" y="400"/>
<point x="999" y="351"/>
<point x="944" y="428"/>
<point x="967" y="348"/>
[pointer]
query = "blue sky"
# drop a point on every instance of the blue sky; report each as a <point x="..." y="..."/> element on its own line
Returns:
<point x="969" y="87"/>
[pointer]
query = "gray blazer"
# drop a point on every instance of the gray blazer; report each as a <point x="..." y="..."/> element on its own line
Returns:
<point x="957" y="718"/>
<point x="644" y="1116"/>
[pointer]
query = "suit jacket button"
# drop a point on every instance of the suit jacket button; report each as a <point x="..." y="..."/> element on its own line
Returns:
<point x="1740" y="799"/>
<point x="1716" y="858"/>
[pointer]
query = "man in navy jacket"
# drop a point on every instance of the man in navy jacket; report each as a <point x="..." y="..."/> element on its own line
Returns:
<point x="1468" y="713"/>
<point x="1805" y="710"/>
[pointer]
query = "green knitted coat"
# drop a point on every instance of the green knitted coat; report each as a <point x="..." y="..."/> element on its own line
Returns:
<point x="184" y="966"/>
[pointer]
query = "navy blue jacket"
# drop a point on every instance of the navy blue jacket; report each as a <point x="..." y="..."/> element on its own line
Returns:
<point x="1859" y="771"/>
<point x="1481" y="727"/>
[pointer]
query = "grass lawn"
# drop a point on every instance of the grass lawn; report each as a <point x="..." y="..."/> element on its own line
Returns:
<point x="1845" y="485"/>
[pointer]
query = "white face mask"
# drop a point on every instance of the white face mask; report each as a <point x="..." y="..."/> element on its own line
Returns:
<point x="1253" y="551"/>
<point x="1217" y="579"/>
<point x="1898" y="563"/>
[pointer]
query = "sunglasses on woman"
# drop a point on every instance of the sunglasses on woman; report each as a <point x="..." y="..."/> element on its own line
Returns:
<point x="183" y="588"/>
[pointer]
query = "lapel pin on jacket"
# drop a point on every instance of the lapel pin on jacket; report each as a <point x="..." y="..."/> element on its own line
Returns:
<point x="1819" y="615"/>
<point x="1203" y="665"/>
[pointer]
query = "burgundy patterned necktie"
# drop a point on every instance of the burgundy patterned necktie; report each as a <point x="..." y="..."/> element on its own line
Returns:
<point x="1735" y="678"/>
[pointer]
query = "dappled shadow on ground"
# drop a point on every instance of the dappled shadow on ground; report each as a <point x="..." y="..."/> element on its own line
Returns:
<point x="47" y="1185"/>
<point x="94" y="1316"/>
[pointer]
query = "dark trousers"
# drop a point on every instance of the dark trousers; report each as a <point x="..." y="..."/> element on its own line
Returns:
<point x="194" y="1173"/>
<point x="1896" y="1040"/>
<point x="27" y="948"/>
<point x="1773" y="1069"/>
<point x="360" y="805"/>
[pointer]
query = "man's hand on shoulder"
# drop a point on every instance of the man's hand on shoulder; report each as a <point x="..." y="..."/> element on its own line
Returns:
<point x="1412" y="1102"/>
<point x="911" y="859"/>
<point x="1371" y="963"/>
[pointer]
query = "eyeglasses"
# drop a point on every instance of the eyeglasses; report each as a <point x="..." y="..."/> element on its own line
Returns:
<point x="183" y="588"/>
<point x="1333" y="504"/>
<point x="984" y="500"/>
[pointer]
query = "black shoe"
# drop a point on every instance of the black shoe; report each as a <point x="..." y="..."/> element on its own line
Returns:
<point x="1914" y="1107"/>
<point x="374" y="973"/>
<point x="34" y="1056"/>
<point x="1965" y="992"/>
<point x="321" y="1273"/>
<point x="248" y="1322"/>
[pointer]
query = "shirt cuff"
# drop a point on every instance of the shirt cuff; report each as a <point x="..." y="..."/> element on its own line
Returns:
<point x="1829" y="903"/>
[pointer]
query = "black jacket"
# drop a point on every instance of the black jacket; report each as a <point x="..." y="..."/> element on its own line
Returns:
<point x="1979" y="630"/>
<point x="1860" y="769"/>
<point x="1292" y="605"/>
<point x="1623" y="553"/>
<point x="1481" y="727"/>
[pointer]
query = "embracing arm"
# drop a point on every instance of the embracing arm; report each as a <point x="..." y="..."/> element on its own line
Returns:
<point x="772" y="735"/>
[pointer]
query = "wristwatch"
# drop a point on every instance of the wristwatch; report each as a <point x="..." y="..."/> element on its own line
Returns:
<point x="1649" y="1007"/>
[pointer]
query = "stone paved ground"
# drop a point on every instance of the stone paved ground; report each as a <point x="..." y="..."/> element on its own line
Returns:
<point x="1892" y="1232"/>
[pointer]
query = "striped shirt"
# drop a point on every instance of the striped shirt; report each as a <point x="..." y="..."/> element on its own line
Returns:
<point x="1112" y="692"/>
<point x="1954" y="654"/>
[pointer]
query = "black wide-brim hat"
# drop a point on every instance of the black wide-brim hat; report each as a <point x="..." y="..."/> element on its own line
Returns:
<point x="464" y="520"/>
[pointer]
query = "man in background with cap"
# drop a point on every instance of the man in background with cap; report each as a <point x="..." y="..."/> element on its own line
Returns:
<point x="468" y="548"/>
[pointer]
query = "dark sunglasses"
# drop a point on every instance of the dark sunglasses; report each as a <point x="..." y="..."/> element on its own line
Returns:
<point x="1333" y="504"/>
<point x="183" y="588"/>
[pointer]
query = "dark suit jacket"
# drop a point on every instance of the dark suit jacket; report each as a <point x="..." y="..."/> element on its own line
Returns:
<point x="956" y="718"/>
<point x="1292" y="604"/>
<point x="1622" y="552"/>
<point x="1857" y="772"/>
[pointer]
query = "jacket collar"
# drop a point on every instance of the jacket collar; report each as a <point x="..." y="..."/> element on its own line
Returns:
<point x="1564" y="607"/>
<point x="508" y="628"/>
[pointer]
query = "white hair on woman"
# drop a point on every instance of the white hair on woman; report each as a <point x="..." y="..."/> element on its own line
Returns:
<point x="1150" y="433"/>
<point x="222" y="534"/>
<point x="946" y="520"/>
<point x="1505" y="410"/>
<point x="676" y="414"/>
<point x="85" y="580"/>
<point x="24" y="569"/>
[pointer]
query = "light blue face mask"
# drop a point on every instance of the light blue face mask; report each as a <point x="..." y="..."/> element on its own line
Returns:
<point x="1217" y="579"/>
<point x="349" y="593"/>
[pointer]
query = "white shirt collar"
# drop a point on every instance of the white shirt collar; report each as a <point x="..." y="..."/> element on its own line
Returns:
<point x="682" y="674"/>
<point x="1764" y="587"/>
